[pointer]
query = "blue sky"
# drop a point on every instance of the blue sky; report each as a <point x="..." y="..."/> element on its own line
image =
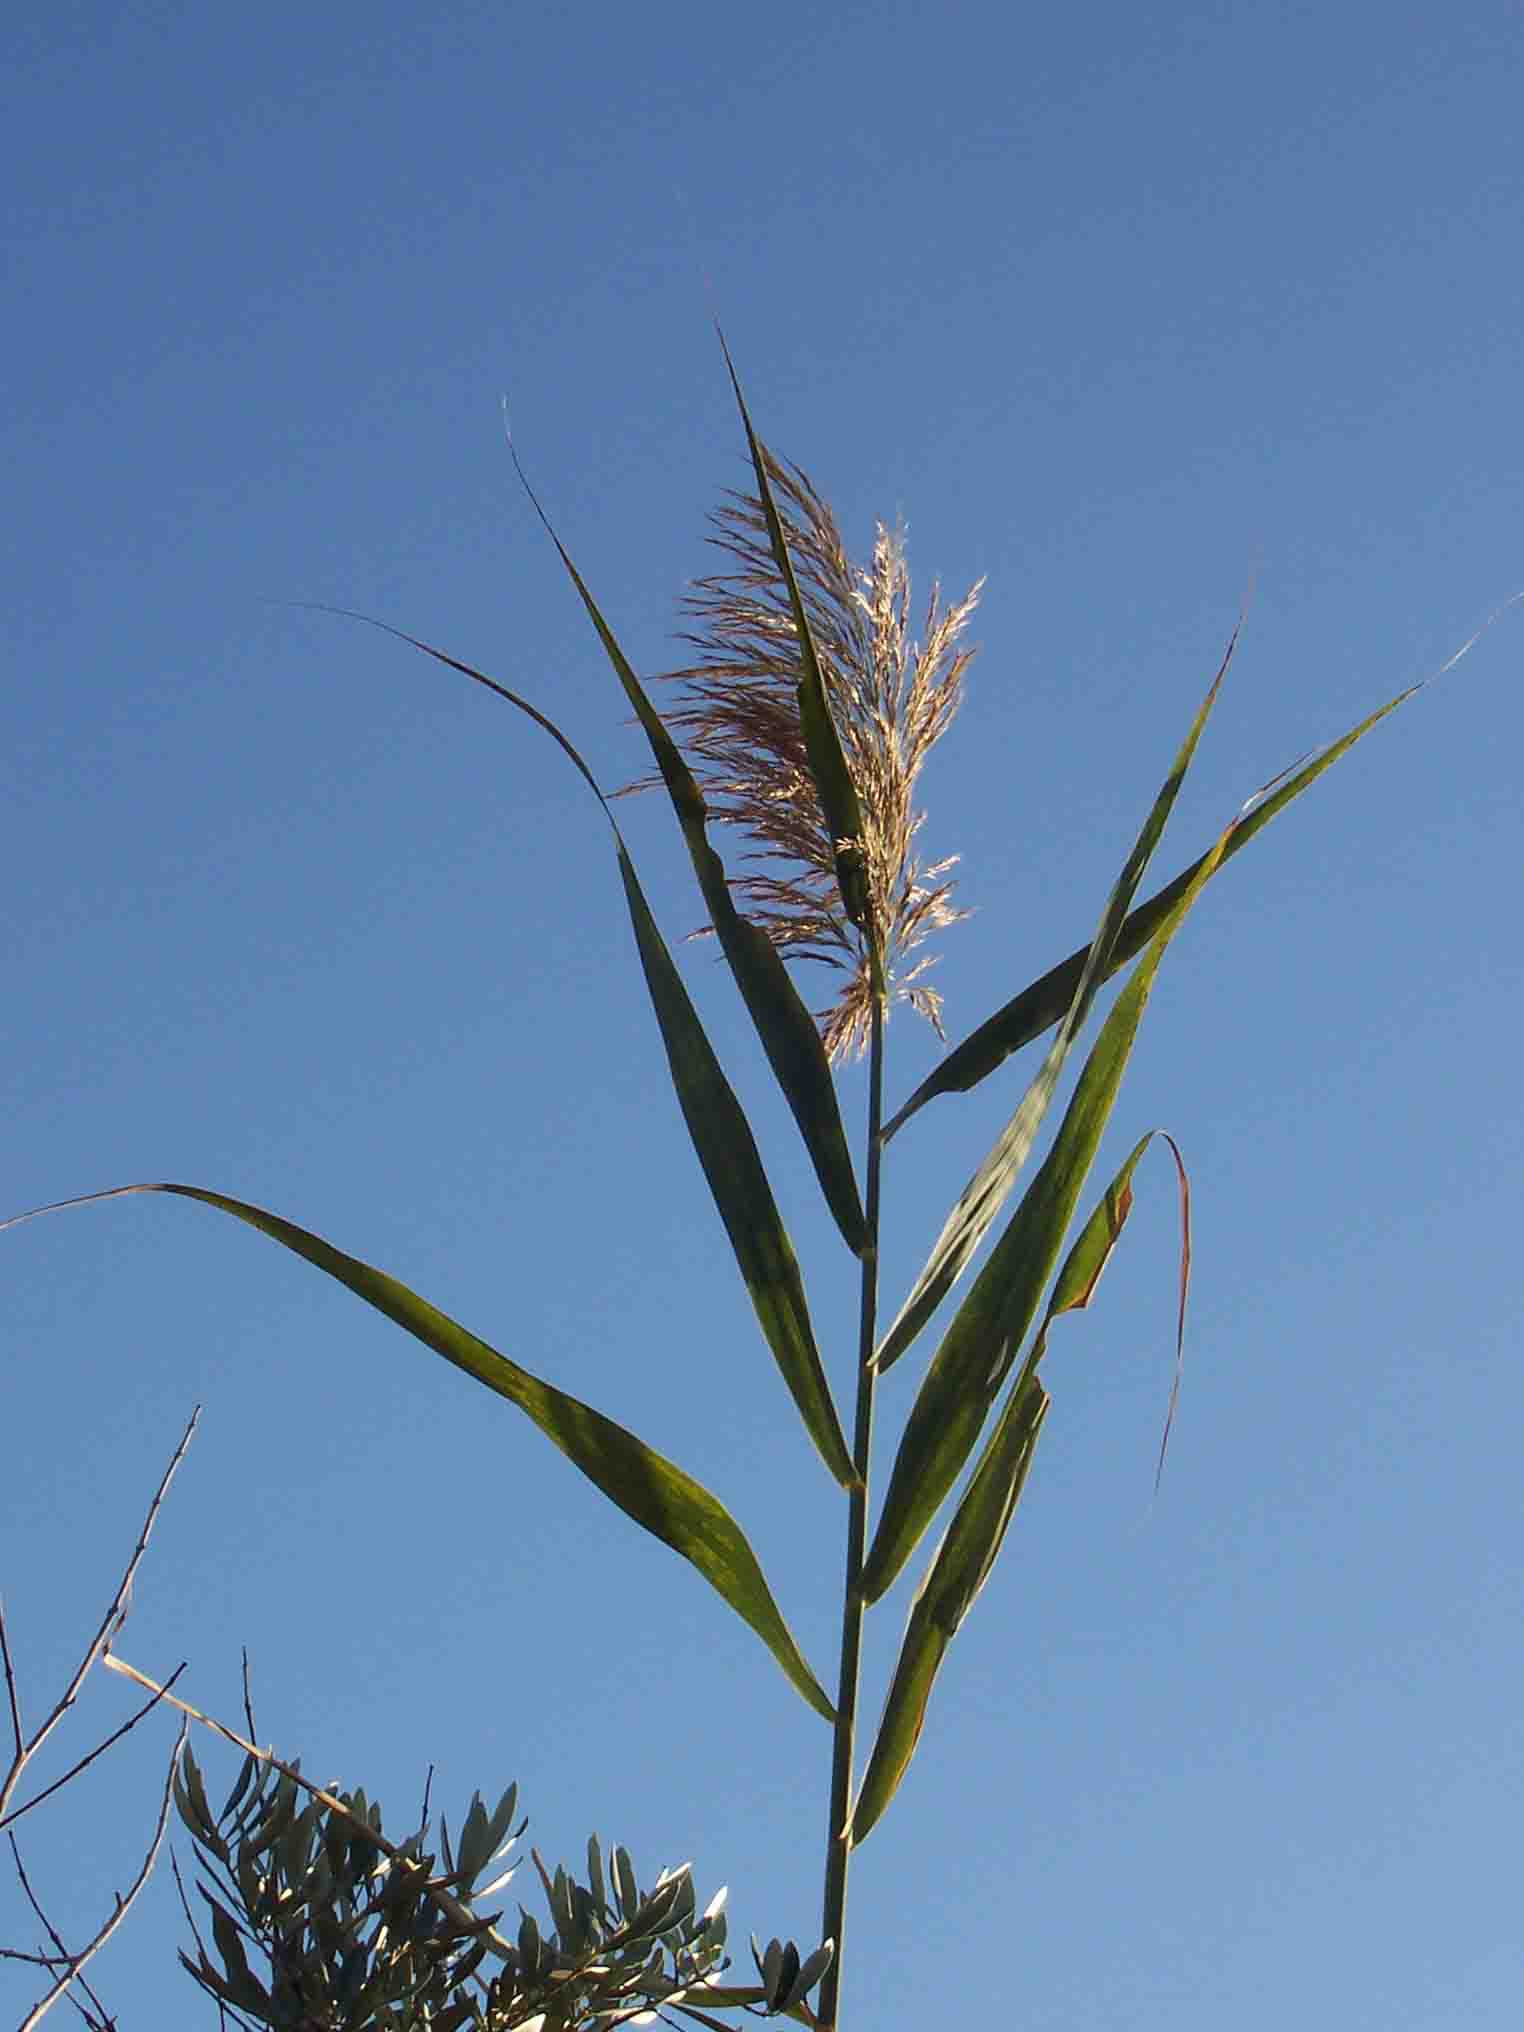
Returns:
<point x="1127" y="310"/>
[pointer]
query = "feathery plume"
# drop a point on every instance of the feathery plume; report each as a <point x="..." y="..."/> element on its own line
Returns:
<point x="891" y="699"/>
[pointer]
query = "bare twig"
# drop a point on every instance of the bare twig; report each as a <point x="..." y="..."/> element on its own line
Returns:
<point x="248" y="1697"/>
<point x="423" y="1817"/>
<point x="77" y="1961"/>
<point x="105" y="1744"/>
<point x="11" y="1694"/>
<point x="65" y="1967"/>
<point x="53" y="1961"/>
<point x="111" y="1622"/>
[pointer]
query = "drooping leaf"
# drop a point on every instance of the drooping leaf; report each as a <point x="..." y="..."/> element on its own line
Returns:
<point x="1075" y="1285"/>
<point x="648" y="1488"/>
<point x="980" y="1345"/>
<point x="958" y="1571"/>
<point x="717" y="1124"/>
<point x="986" y="1192"/>
<point x="785" y="1027"/>
<point x="1044" y="1002"/>
<point x="828" y="765"/>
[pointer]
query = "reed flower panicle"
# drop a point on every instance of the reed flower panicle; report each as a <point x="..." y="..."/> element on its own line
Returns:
<point x="891" y="697"/>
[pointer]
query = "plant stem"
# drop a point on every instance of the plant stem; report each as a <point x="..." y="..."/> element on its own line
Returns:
<point x="838" y="1848"/>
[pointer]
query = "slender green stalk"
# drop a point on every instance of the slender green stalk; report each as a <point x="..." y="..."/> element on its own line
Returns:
<point x="838" y="1847"/>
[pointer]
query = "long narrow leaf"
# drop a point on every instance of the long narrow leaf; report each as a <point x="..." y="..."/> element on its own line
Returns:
<point x="728" y="1153"/>
<point x="787" y="1031"/>
<point x="987" y="1191"/>
<point x="980" y="1344"/>
<point x="717" y="1124"/>
<point x="647" y="1487"/>
<point x="1075" y="1284"/>
<point x="958" y="1571"/>
<point x="1043" y="1003"/>
<point x="828" y="765"/>
<point x="967" y="1554"/>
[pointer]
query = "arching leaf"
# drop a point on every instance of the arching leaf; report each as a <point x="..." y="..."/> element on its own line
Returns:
<point x="721" y="1136"/>
<point x="648" y="1488"/>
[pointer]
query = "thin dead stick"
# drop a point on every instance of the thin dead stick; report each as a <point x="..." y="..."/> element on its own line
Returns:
<point x="101" y="1747"/>
<point x="77" y="1961"/>
<point x="111" y="1622"/>
<point x="10" y="1686"/>
<point x="52" y="1961"/>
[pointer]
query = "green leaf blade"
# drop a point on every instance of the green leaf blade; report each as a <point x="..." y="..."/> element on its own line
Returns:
<point x="979" y="1346"/>
<point x="788" y="1033"/>
<point x="721" y="1135"/>
<point x="728" y="1155"/>
<point x="1043" y="1002"/>
<point x="967" y="1555"/>
<point x="987" y="1191"/>
<point x="1075" y="1284"/>
<point x="962" y="1565"/>
<point x="648" y="1488"/>
<point x="791" y="1039"/>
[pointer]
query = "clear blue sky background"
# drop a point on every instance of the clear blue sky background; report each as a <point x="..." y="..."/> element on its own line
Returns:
<point x="1117" y="306"/>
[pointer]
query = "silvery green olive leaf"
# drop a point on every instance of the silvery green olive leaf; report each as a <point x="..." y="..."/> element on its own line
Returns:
<point x="778" y="1965"/>
<point x="499" y="1882"/>
<point x="986" y="1192"/>
<point x="240" y="1986"/>
<point x="780" y="1973"/>
<point x="958" y="1571"/>
<point x="500" y="1834"/>
<point x="787" y="1031"/>
<point x="717" y="1124"/>
<point x="648" y="1488"/>
<point x="979" y="1347"/>
<point x="814" y="1967"/>
<point x="246" y="1772"/>
<point x="474" y="1849"/>
<point x="191" y="1801"/>
<point x="1044" y="1002"/>
<point x="624" y="1881"/>
<point x="828" y="765"/>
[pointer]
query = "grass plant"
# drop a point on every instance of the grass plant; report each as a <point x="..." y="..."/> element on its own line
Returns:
<point x="799" y="726"/>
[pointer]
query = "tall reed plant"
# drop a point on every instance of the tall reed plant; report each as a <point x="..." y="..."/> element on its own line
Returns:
<point x="801" y="725"/>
